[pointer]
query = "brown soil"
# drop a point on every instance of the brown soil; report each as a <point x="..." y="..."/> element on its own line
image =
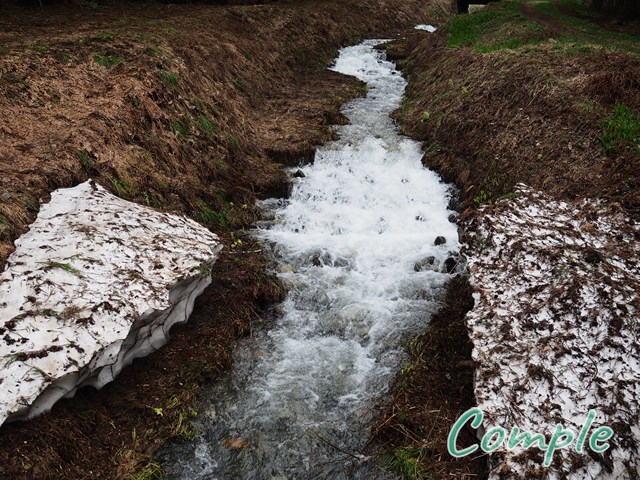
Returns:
<point x="200" y="105"/>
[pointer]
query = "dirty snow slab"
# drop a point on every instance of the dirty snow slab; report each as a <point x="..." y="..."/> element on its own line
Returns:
<point x="96" y="282"/>
<point x="426" y="28"/>
<point x="555" y="329"/>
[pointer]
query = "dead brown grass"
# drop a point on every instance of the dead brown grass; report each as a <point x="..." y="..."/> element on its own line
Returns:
<point x="188" y="109"/>
<point x="531" y="115"/>
<point x="200" y="105"/>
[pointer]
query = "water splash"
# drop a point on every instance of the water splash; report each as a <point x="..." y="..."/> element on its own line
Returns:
<point x="348" y="241"/>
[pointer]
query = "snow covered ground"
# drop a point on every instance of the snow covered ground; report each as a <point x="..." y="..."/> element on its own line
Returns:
<point x="555" y="329"/>
<point x="96" y="282"/>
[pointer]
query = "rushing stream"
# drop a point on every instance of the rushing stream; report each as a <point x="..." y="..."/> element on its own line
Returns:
<point x="348" y="243"/>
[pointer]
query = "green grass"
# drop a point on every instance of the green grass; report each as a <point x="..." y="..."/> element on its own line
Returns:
<point x="468" y="29"/>
<point x="209" y="217"/>
<point x="150" y="471"/>
<point x="221" y="166"/>
<point x="199" y="104"/>
<point x="6" y="229"/>
<point x="122" y="187"/>
<point x="91" y="5"/>
<point x="64" y="57"/>
<point x="405" y="461"/>
<point x="106" y="36"/>
<point x="145" y="37"/>
<point x="107" y="61"/>
<point x="240" y="84"/>
<point x="85" y="158"/>
<point x="505" y="25"/>
<point x="206" y="125"/>
<point x="170" y="78"/>
<point x="181" y="127"/>
<point x="585" y="31"/>
<point x="622" y="126"/>
<point x="497" y="27"/>
<point x="235" y="143"/>
<point x="67" y="267"/>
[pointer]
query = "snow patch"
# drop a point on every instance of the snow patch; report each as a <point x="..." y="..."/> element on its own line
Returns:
<point x="96" y="282"/>
<point x="555" y="329"/>
<point x="427" y="28"/>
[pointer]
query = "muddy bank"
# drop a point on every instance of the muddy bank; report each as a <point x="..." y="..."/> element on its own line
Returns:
<point x="178" y="107"/>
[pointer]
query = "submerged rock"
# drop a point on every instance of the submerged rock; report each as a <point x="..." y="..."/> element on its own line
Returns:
<point x="428" y="263"/>
<point x="96" y="282"/>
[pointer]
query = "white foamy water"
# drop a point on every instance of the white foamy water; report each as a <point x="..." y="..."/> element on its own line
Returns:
<point x="347" y="243"/>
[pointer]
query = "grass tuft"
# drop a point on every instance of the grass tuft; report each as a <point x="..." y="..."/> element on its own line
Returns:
<point x="240" y="84"/>
<point x="181" y="128"/>
<point x="235" y="143"/>
<point x="209" y="217"/>
<point x="67" y="267"/>
<point x="206" y="125"/>
<point x="623" y="126"/>
<point x="106" y="36"/>
<point x="170" y="78"/>
<point x="405" y="461"/>
<point x="150" y="471"/>
<point x="107" y="61"/>
<point x="6" y="229"/>
<point x="85" y="158"/>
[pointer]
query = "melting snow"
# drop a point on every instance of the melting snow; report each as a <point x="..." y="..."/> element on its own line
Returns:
<point x="428" y="28"/>
<point x="555" y="329"/>
<point x="96" y="282"/>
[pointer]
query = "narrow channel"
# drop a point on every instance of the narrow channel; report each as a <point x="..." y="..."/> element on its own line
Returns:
<point x="355" y="245"/>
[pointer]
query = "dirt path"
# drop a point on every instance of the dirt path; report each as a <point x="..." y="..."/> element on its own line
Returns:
<point x="556" y="27"/>
<point x="552" y="24"/>
<point x="615" y="24"/>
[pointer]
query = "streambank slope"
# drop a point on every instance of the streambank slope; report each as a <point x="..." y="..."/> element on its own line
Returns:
<point x="500" y="98"/>
<point x="189" y="109"/>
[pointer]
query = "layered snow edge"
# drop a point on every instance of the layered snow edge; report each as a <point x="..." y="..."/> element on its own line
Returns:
<point x="555" y="329"/>
<point x="95" y="283"/>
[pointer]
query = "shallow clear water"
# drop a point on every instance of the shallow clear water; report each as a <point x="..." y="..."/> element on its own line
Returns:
<point x="346" y="243"/>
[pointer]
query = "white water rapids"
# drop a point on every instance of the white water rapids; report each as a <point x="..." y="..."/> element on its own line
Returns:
<point x="347" y="243"/>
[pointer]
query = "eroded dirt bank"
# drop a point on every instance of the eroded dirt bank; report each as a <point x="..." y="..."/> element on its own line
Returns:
<point x="185" y="108"/>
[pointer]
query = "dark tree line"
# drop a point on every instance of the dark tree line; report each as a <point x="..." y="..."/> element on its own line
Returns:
<point x="625" y="8"/>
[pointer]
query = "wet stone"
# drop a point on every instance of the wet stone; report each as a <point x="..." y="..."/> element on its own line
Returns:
<point x="440" y="240"/>
<point x="425" y="264"/>
<point x="449" y="265"/>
